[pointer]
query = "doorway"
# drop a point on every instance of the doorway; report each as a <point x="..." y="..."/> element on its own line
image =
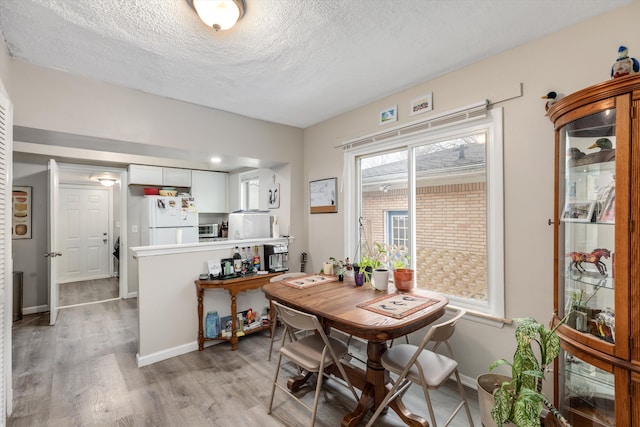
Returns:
<point x="88" y="219"/>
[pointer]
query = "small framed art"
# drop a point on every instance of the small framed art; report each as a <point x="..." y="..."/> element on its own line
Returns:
<point x="322" y="196"/>
<point x="422" y="104"/>
<point x="21" y="217"/>
<point x="388" y="115"/>
<point x="578" y="211"/>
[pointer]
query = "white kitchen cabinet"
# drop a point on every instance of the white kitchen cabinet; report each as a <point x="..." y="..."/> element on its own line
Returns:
<point x="156" y="175"/>
<point x="176" y="177"/>
<point x="210" y="190"/>
<point x="145" y="175"/>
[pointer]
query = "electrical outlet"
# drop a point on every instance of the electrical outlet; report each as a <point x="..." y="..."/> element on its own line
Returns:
<point x="134" y="228"/>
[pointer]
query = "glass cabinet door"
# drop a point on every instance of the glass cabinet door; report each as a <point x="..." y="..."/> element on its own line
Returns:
<point x="586" y="252"/>
<point x="587" y="395"/>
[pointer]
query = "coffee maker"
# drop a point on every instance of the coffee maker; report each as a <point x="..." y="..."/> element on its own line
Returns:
<point x="276" y="258"/>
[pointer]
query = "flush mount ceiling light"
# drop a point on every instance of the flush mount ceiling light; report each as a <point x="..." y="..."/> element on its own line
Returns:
<point x="107" y="182"/>
<point x="219" y="14"/>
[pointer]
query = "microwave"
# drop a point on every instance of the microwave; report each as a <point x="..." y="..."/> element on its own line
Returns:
<point x="249" y="225"/>
<point x="207" y="230"/>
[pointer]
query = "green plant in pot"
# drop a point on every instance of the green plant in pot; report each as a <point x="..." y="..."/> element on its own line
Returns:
<point x="372" y="259"/>
<point x="519" y="399"/>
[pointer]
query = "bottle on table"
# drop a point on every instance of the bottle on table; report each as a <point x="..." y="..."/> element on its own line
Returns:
<point x="237" y="260"/>
<point x="256" y="259"/>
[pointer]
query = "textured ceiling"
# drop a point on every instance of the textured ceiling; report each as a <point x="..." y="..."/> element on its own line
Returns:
<point x="295" y="62"/>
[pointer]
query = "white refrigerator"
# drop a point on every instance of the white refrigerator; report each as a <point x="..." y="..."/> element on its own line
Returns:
<point x="168" y="221"/>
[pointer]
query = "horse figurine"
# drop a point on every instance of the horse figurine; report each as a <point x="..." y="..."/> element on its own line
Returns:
<point x="577" y="258"/>
<point x="594" y="258"/>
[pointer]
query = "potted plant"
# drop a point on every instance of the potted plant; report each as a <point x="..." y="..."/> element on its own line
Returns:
<point x="402" y="274"/>
<point x="373" y="259"/>
<point x="519" y="399"/>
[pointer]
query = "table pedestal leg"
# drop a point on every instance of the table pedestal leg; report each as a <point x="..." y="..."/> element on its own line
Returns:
<point x="375" y="390"/>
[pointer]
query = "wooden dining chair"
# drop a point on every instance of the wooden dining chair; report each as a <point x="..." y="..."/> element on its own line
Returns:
<point x="416" y="364"/>
<point x="313" y="353"/>
<point x="274" y="319"/>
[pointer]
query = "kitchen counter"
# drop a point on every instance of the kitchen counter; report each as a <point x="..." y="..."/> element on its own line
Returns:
<point x="144" y="251"/>
<point x="167" y="308"/>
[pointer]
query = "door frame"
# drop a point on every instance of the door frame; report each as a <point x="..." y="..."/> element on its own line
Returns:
<point x="123" y="180"/>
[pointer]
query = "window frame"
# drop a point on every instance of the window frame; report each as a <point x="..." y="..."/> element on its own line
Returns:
<point x="245" y="178"/>
<point x="492" y="124"/>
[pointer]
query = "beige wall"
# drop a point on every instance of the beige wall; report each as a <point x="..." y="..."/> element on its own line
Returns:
<point x="565" y="62"/>
<point x="56" y="101"/>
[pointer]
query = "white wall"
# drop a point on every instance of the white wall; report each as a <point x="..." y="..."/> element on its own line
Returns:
<point x="565" y="62"/>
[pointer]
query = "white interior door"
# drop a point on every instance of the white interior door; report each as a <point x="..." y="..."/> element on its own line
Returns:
<point x="83" y="233"/>
<point x="52" y="252"/>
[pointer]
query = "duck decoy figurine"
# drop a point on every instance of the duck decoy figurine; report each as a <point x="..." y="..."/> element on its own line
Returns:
<point x="624" y="65"/>
<point x="551" y="99"/>
<point x="602" y="144"/>
<point x="575" y="153"/>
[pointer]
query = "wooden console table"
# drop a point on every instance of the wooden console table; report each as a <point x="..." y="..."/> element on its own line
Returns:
<point x="233" y="286"/>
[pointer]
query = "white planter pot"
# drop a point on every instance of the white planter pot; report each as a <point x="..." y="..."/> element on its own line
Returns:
<point x="486" y="386"/>
<point x="380" y="279"/>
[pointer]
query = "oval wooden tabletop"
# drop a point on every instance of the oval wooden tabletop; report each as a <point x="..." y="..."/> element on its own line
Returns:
<point x="336" y="303"/>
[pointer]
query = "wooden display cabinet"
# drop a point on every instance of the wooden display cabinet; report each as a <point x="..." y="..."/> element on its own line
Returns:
<point x="597" y="253"/>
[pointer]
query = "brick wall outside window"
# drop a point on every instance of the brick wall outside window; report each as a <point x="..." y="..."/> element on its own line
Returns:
<point x="450" y="231"/>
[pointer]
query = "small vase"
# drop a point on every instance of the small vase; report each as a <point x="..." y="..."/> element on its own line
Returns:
<point x="359" y="278"/>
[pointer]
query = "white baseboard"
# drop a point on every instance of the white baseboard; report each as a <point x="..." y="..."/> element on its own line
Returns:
<point x="171" y="352"/>
<point x="35" y="309"/>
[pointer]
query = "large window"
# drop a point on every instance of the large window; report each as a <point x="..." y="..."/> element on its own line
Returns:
<point x="436" y="194"/>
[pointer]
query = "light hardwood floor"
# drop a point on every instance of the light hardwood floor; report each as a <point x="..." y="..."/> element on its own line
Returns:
<point x="82" y="372"/>
<point x="87" y="291"/>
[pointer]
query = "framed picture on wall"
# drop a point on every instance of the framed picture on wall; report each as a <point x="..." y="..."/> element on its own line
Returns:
<point x="322" y="196"/>
<point x="388" y="115"/>
<point x="21" y="213"/>
<point x="422" y="104"/>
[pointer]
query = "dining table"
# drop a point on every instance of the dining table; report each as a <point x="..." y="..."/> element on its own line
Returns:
<point x="372" y="315"/>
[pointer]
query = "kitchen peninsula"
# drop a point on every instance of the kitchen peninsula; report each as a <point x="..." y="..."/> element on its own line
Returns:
<point x="167" y="304"/>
